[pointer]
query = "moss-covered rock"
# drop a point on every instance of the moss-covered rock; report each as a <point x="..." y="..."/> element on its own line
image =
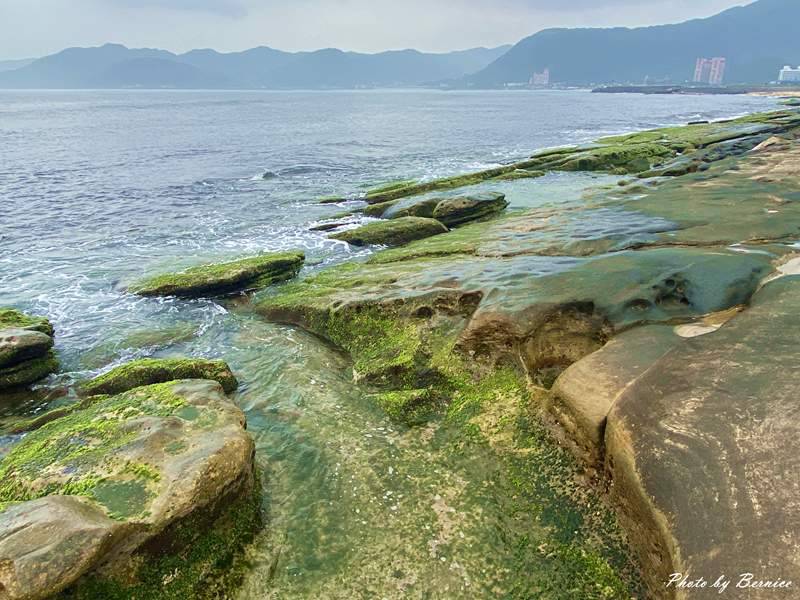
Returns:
<point x="391" y="233"/>
<point x="223" y="278"/>
<point x="457" y="211"/>
<point x="98" y="497"/>
<point x="412" y="208"/>
<point x="11" y="318"/>
<point x="26" y="354"/>
<point x="18" y="345"/>
<point x="147" y="371"/>
<point x="28" y="372"/>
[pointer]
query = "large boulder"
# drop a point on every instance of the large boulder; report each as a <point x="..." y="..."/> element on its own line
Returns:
<point x="147" y="371"/>
<point x="391" y="233"/>
<point x="457" y="211"/>
<point x="123" y="494"/>
<point x="26" y="354"/>
<point x="703" y="452"/>
<point x="224" y="278"/>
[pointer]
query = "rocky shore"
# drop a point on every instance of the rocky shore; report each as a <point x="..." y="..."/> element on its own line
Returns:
<point x="638" y="375"/>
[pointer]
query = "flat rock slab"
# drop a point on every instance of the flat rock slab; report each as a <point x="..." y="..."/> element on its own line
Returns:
<point x="395" y="232"/>
<point x="148" y="371"/>
<point x="224" y="278"/>
<point x="704" y="451"/>
<point x="92" y="487"/>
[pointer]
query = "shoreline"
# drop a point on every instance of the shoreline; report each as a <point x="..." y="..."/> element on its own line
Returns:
<point x="486" y="328"/>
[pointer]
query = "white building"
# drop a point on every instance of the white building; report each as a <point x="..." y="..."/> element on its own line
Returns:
<point x="789" y="74"/>
<point x="542" y="78"/>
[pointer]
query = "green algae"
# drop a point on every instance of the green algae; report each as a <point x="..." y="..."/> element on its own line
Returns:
<point x="389" y="187"/>
<point x="148" y="371"/>
<point x="411" y="407"/>
<point x="12" y="318"/>
<point x="193" y="558"/>
<point x="28" y="372"/>
<point x="391" y="233"/>
<point x="75" y="453"/>
<point x="560" y="540"/>
<point x="221" y="278"/>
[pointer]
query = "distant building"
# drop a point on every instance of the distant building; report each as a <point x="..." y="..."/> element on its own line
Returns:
<point x="542" y="78"/>
<point x="710" y="70"/>
<point x="789" y="74"/>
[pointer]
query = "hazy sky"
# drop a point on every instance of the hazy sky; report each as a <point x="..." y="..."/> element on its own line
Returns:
<point x="31" y="28"/>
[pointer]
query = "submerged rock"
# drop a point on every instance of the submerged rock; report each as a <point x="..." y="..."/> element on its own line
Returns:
<point x="223" y="278"/>
<point x="26" y="344"/>
<point x="457" y="211"/>
<point x="140" y="495"/>
<point x="148" y="371"/>
<point x="391" y="233"/>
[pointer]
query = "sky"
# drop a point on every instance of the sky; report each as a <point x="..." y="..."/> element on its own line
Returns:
<point x="33" y="28"/>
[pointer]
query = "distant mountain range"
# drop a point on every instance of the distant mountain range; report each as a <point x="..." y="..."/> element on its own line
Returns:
<point x="757" y="40"/>
<point x="115" y="66"/>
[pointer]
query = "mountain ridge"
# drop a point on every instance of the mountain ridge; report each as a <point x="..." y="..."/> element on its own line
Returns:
<point x="116" y="66"/>
<point x="756" y="39"/>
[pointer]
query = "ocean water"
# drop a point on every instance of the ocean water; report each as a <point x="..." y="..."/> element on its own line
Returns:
<point x="98" y="188"/>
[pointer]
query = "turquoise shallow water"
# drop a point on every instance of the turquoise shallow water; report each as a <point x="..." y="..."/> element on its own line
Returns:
<point x="100" y="187"/>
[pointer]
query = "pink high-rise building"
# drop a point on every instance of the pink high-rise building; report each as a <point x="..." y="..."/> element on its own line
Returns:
<point x="710" y="70"/>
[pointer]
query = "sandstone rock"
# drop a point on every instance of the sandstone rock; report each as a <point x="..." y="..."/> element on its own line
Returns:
<point x="49" y="542"/>
<point x="14" y="319"/>
<point x="148" y="371"/>
<point x="223" y="278"/>
<point x="26" y="354"/>
<point x="412" y="208"/>
<point x="585" y="393"/>
<point x="457" y="211"/>
<point x="703" y="452"/>
<point x="18" y="345"/>
<point x="391" y="233"/>
<point x="88" y="495"/>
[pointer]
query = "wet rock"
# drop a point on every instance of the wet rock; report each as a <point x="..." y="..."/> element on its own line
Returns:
<point x="703" y="451"/>
<point x="50" y="542"/>
<point x="26" y="354"/>
<point x="223" y="278"/>
<point x="327" y="226"/>
<point x="18" y="345"/>
<point x="98" y="498"/>
<point x="391" y="233"/>
<point x="457" y="211"/>
<point x="28" y="372"/>
<point x="585" y="393"/>
<point x="413" y="208"/>
<point x="148" y="371"/>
